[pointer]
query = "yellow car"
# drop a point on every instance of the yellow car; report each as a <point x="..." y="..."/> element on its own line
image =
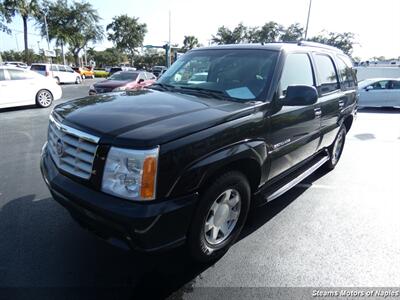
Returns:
<point x="84" y="72"/>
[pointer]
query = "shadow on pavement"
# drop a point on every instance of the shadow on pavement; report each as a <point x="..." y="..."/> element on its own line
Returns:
<point x="45" y="255"/>
<point x="379" y="110"/>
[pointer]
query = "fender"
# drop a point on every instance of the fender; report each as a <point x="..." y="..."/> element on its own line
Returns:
<point x="252" y="153"/>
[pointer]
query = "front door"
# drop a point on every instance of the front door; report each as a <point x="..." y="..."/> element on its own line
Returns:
<point x="294" y="131"/>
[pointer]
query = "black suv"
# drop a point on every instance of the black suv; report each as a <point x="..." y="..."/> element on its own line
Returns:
<point x="183" y="161"/>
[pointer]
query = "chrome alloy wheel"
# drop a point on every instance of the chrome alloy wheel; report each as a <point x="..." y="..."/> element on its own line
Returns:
<point x="222" y="217"/>
<point x="45" y="98"/>
<point x="338" y="147"/>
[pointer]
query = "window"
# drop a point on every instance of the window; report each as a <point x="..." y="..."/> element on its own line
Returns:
<point x="297" y="70"/>
<point x="18" y="74"/>
<point x="142" y="76"/>
<point x="395" y="85"/>
<point x="54" y="68"/>
<point x="70" y="70"/>
<point x="381" y="85"/>
<point x="2" y="75"/>
<point x="150" y="76"/>
<point x="327" y="74"/>
<point x="238" y="75"/>
<point x="346" y="72"/>
<point x="62" y="69"/>
<point x="38" y="68"/>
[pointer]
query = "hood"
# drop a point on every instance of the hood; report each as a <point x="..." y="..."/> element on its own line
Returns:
<point x="147" y="118"/>
<point x="111" y="83"/>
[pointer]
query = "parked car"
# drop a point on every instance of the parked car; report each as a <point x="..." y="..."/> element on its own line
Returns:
<point x="62" y="73"/>
<point x="18" y="64"/>
<point x="84" y="72"/>
<point x="182" y="163"/>
<point x="379" y="92"/>
<point x="20" y="87"/>
<point x="121" y="81"/>
<point x="158" y="70"/>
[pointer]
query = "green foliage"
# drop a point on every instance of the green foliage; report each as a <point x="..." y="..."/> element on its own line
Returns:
<point x="76" y="25"/>
<point x="108" y="57"/>
<point x="100" y="74"/>
<point x="150" y="58"/>
<point x="190" y="42"/>
<point x="343" y="41"/>
<point x="24" y="8"/>
<point x="293" y="33"/>
<point x="12" y="55"/>
<point x="127" y="34"/>
<point x="226" y="36"/>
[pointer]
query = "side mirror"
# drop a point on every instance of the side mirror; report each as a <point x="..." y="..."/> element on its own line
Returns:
<point x="141" y="80"/>
<point x="300" y="95"/>
<point x="368" y="88"/>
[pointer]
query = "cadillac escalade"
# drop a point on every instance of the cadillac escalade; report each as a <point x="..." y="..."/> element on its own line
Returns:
<point x="183" y="161"/>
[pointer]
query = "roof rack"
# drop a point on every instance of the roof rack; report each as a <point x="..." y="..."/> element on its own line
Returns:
<point x="319" y="45"/>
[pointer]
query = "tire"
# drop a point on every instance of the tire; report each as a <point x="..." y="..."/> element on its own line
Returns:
<point x="336" y="149"/>
<point x="83" y="77"/>
<point x="92" y="76"/>
<point x="44" y="98"/>
<point x="58" y="80"/>
<point x="204" y="244"/>
<point x="78" y="80"/>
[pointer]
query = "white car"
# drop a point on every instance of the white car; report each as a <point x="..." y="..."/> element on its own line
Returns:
<point x="61" y="73"/>
<point x="379" y="92"/>
<point x="20" y="87"/>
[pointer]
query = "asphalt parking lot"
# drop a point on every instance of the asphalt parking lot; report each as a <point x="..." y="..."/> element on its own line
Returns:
<point x="339" y="229"/>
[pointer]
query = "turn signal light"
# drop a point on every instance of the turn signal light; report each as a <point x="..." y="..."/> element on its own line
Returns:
<point x="147" y="189"/>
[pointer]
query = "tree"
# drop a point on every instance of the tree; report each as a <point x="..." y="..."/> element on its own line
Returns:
<point x="190" y="42"/>
<point x="58" y="19"/>
<point x="270" y="32"/>
<point x="108" y="57"/>
<point x="24" y="8"/>
<point x="343" y="41"/>
<point x="127" y="34"/>
<point x="293" y="33"/>
<point x="226" y="36"/>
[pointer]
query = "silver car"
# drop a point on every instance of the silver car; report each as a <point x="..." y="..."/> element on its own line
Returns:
<point x="379" y="92"/>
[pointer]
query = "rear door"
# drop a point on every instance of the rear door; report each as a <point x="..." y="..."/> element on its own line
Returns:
<point x="294" y="130"/>
<point x="330" y="95"/>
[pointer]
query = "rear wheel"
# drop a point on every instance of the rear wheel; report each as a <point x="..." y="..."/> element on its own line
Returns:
<point x="336" y="149"/>
<point x="78" y="80"/>
<point x="44" y="98"/>
<point x="219" y="217"/>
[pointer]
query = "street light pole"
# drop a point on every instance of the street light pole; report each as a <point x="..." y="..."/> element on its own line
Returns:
<point x="168" y="50"/>
<point x="308" y="20"/>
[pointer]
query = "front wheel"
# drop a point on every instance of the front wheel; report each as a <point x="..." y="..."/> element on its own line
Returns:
<point x="44" y="98"/>
<point x="336" y="149"/>
<point x="220" y="217"/>
<point x="78" y="80"/>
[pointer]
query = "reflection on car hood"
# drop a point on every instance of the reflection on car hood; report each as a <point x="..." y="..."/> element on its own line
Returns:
<point x="146" y="118"/>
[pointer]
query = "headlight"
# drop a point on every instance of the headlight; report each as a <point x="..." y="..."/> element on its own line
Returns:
<point x="131" y="174"/>
<point x="119" y="89"/>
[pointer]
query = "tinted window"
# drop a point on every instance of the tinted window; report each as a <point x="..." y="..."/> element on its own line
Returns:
<point x="124" y="76"/>
<point x="18" y="75"/>
<point x="235" y="74"/>
<point x="297" y="70"/>
<point x="326" y="73"/>
<point x="395" y="85"/>
<point x="38" y="68"/>
<point x="381" y="85"/>
<point x="346" y="73"/>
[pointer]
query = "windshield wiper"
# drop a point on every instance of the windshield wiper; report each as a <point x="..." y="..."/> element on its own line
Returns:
<point x="162" y="86"/>
<point x="208" y="92"/>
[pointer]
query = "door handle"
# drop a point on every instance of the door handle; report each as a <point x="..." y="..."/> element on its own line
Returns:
<point x="317" y="112"/>
<point x="341" y="103"/>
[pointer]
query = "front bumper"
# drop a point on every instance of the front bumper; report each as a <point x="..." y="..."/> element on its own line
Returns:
<point x="152" y="226"/>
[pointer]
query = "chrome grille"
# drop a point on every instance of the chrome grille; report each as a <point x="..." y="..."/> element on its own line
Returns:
<point x="72" y="151"/>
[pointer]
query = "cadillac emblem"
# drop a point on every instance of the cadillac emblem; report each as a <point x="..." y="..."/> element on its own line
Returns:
<point x="60" y="147"/>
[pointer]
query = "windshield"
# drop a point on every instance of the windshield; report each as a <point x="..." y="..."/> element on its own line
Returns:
<point x="241" y="74"/>
<point x="124" y="76"/>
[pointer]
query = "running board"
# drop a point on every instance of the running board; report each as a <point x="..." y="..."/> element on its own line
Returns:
<point x="297" y="179"/>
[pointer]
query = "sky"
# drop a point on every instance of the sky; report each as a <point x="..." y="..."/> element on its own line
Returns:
<point x="376" y="24"/>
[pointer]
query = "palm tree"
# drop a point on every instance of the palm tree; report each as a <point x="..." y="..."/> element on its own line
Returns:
<point x="190" y="42"/>
<point x="24" y="8"/>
